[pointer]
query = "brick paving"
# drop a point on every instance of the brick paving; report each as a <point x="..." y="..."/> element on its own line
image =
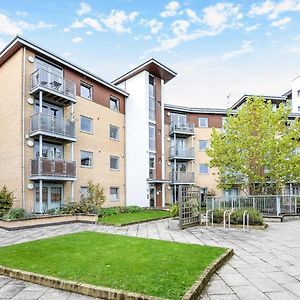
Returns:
<point x="266" y="264"/>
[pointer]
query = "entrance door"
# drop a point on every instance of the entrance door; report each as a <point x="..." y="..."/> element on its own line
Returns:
<point x="52" y="197"/>
<point x="152" y="196"/>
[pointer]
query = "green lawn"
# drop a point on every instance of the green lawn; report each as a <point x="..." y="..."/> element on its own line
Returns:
<point x="153" y="267"/>
<point x="127" y="218"/>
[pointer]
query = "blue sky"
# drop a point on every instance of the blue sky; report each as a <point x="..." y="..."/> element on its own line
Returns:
<point x="220" y="49"/>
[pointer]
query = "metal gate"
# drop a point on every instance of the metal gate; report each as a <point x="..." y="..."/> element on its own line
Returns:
<point x="189" y="199"/>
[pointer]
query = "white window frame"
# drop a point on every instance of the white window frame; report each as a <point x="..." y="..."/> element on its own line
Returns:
<point x="152" y="155"/>
<point x="118" y="132"/>
<point x="86" y="85"/>
<point x="87" y="118"/>
<point x="85" y="193"/>
<point x="207" y="145"/>
<point x="202" y="173"/>
<point x="199" y="122"/>
<point x="152" y="138"/>
<point x="115" y="100"/>
<point x="90" y="159"/>
<point x="117" y="199"/>
<point x="118" y="162"/>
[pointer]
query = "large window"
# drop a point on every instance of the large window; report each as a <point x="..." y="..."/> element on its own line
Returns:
<point x="86" y="124"/>
<point x="114" y="194"/>
<point x="85" y="91"/>
<point x="203" y="168"/>
<point x="178" y="119"/>
<point x="151" y="99"/>
<point x="114" y="162"/>
<point x="49" y="151"/>
<point x="203" y="122"/>
<point x="86" y="159"/>
<point x="113" y="132"/>
<point x="152" y="166"/>
<point x="114" y="104"/>
<point x="203" y="145"/>
<point x="151" y="138"/>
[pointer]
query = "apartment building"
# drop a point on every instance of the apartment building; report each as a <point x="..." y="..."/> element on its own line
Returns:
<point x="63" y="126"/>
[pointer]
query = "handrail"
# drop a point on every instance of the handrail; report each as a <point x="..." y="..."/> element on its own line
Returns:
<point x="245" y="214"/>
<point x="212" y="217"/>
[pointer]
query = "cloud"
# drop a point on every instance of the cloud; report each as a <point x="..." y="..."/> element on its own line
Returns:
<point x="88" y="32"/>
<point x="83" y="9"/>
<point x="8" y="26"/>
<point x="274" y="9"/>
<point x="252" y="28"/>
<point x="77" y="40"/>
<point x="87" y="22"/>
<point x="222" y="14"/>
<point x="180" y="27"/>
<point x="245" y="48"/>
<point x="21" y="13"/>
<point x="192" y="15"/>
<point x="282" y="22"/>
<point x="35" y="26"/>
<point x="117" y="19"/>
<point x="171" y="9"/>
<point x="2" y="44"/>
<point x="154" y="25"/>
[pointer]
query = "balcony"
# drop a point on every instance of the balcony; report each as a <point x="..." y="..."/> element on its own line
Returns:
<point x="181" y="129"/>
<point x="182" y="178"/>
<point x="54" y="87"/>
<point x="54" y="128"/>
<point x="49" y="169"/>
<point x="181" y="153"/>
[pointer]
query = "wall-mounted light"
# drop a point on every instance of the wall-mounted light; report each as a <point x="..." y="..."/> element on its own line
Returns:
<point x="168" y="114"/>
<point x="30" y="143"/>
<point x="30" y="186"/>
<point x="30" y="59"/>
<point x="30" y="101"/>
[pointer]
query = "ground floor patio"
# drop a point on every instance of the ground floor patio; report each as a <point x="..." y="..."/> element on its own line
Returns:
<point x="266" y="264"/>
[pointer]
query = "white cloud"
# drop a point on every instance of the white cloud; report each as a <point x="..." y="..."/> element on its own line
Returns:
<point x="66" y="29"/>
<point x="78" y="24"/>
<point x="222" y="15"/>
<point x="88" y="32"/>
<point x="76" y="40"/>
<point x="252" y="28"/>
<point x="282" y="22"/>
<point x="171" y="9"/>
<point x="192" y="15"/>
<point x="117" y="19"/>
<point x="245" y="48"/>
<point x="21" y="13"/>
<point x="180" y="27"/>
<point x="274" y="9"/>
<point x="8" y="26"/>
<point x="87" y="22"/>
<point x="35" y="26"/>
<point x="83" y="9"/>
<point x="154" y="24"/>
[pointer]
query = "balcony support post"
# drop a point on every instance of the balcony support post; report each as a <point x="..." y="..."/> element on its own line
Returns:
<point x="72" y="159"/>
<point x="41" y="196"/>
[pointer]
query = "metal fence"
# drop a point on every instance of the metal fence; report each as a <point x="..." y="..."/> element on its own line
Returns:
<point x="189" y="206"/>
<point x="268" y="205"/>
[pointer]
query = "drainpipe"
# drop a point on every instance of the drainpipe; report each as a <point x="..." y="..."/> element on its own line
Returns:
<point x="23" y="128"/>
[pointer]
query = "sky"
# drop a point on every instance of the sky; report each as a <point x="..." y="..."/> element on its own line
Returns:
<point x="220" y="49"/>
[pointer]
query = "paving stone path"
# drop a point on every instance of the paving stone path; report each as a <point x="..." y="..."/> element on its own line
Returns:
<point x="266" y="264"/>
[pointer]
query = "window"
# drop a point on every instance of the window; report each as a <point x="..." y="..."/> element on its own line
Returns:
<point x="114" y="194"/>
<point x="203" y="168"/>
<point x="114" y="163"/>
<point x="86" y="158"/>
<point x="203" y="122"/>
<point x="114" y="104"/>
<point x="113" y="132"/>
<point x="151" y="99"/>
<point x="152" y="166"/>
<point x="151" y="138"/>
<point x="85" y="91"/>
<point x="83" y="191"/>
<point x="203" y="145"/>
<point x="178" y="120"/>
<point x="86" y="124"/>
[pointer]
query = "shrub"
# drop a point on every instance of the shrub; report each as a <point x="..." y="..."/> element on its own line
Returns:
<point x="16" y="214"/>
<point x="109" y="211"/>
<point x="95" y="195"/>
<point x="83" y="207"/>
<point x="54" y="211"/>
<point x="174" y="210"/>
<point x="6" y="200"/>
<point x="236" y="217"/>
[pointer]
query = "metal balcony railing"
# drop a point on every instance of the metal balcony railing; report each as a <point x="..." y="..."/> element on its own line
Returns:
<point x="45" y="79"/>
<point x="53" y="168"/>
<point x="181" y="152"/>
<point x="48" y="123"/>
<point x="182" y="177"/>
<point x="182" y="127"/>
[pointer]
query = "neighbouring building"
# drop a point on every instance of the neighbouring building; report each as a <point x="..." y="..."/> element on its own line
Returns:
<point x="62" y="126"/>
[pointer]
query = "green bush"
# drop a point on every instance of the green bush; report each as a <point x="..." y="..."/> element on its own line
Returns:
<point x="109" y="211"/>
<point x="16" y="214"/>
<point x="174" y="210"/>
<point x="54" y="211"/>
<point x="95" y="195"/>
<point x="83" y="207"/>
<point x="6" y="200"/>
<point x="236" y="217"/>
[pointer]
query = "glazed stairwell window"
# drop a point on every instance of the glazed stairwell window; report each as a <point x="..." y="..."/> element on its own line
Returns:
<point x="151" y="99"/>
<point x="152" y="138"/>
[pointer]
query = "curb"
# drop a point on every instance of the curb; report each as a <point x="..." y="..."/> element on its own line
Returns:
<point x="108" y="293"/>
<point x="194" y="292"/>
<point x="132" y="223"/>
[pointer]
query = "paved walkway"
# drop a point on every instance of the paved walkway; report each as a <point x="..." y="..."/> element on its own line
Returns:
<point x="266" y="264"/>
